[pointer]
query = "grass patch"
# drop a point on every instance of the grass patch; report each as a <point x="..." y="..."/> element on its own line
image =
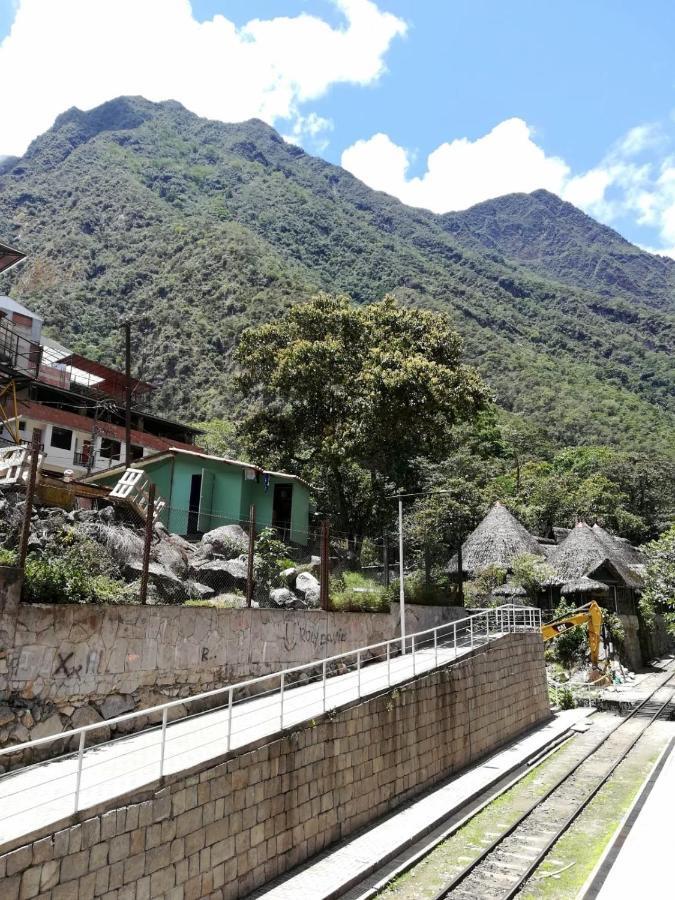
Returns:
<point x="353" y="592"/>
<point x="582" y="846"/>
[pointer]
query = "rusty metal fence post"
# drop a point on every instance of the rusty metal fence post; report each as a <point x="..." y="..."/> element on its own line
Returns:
<point x="30" y="493"/>
<point x="251" y="552"/>
<point x="324" y="567"/>
<point x="147" y="545"/>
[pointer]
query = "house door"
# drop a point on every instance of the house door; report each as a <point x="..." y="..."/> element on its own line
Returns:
<point x="205" y="519"/>
<point x="193" y="510"/>
<point x="281" y="509"/>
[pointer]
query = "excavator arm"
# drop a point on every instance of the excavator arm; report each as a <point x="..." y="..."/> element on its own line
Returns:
<point x="591" y="616"/>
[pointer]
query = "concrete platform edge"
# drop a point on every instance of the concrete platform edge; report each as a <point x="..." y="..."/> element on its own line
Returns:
<point x="595" y="881"/>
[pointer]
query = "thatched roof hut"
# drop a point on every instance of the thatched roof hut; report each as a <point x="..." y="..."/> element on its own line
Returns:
<point x="629" y="555"/>
<point x="584" y="554"/>
<point x="497" y="541"/>
<point x="509" y="590"/>
<point x="583" y="585"/>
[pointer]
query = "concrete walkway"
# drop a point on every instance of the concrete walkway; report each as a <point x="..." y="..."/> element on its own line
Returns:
<point x="44" y="794"/>
<point x="350" y="862"/>
<point x="641" y="858"/>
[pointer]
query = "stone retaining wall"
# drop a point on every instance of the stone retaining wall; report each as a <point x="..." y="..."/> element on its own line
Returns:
<point x="65" y="665"/>
<point x="230" y="825"/>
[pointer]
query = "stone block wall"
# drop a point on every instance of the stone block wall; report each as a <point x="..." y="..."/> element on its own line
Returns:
<point x="65" y="665"/>
<point x="232" y="824"/>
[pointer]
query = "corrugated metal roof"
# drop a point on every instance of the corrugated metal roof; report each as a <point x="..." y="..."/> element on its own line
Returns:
<point x="9" y="256"/>
<point x="12" y="306"/>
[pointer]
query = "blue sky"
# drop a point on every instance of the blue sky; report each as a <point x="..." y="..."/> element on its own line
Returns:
<point x="440" y="102"/>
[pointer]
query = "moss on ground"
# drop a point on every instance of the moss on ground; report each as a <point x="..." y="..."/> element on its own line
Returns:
<point x="577" y="852"/>
<point x="579" y="849"/>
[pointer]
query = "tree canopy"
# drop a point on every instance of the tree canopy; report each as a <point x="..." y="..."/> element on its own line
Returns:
<point x="352" y="396"/>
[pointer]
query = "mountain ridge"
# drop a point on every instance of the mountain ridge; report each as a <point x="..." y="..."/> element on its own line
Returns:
<point x="197" y="229"/>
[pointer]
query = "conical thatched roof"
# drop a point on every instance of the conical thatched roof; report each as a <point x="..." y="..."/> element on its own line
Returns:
<point x="582" y="585"/>
<point x="583" y="552"/>
<point x="509" y="590"/>
<point x="622" y="547"/>
<point x="496" y="541"/>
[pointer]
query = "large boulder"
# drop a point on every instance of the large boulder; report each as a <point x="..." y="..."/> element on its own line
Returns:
<point x="282" y="598"/>
<point x="47" y="728"/>
<point x="308" y="588"/>
<point x="169" y="586"/>
<point x="116" y="705"/>
<point x="221" y="574"/>
<point x="228" y="540"/>
<point x="87" y="715"/>
<point x="197" y="591"/>
<point x="171" y="556"/>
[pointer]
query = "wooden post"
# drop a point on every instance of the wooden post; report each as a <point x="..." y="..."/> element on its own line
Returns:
<point x="149" y="526"/>
<point x="324" y="568"/>
<point x="30" y="493"/>
<point x="251" y="551"/>
<point x="385" y="558"/>
<point x="127" y="402"/>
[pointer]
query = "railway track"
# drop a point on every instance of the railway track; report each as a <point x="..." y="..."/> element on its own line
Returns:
<point x="508" y="858"/>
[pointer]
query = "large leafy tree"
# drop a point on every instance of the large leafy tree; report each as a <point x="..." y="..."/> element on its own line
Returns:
<point x="352" y="396"/>
<point x="629" y="493"/>
<point x="659" y="591"/>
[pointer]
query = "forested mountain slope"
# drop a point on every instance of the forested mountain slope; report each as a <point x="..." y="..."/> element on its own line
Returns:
<point x="196" y="229"/>
<point x="557" y="240"/>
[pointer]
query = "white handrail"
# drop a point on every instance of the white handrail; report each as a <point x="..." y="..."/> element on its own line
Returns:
<point x="505" y="619"/>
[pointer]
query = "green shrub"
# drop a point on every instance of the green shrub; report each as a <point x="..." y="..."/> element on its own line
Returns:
<point x="353" y="591"/>
<point x="79" y="574"/>
<point x="418" y="591"/>
<point x="7" y="557"/>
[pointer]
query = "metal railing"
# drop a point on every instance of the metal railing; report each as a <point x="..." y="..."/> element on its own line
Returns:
<point x="237" y="714"/>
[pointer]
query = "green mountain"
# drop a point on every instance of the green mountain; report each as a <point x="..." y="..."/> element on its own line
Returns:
<point x="556" y="240"/>
<point x="195" y="229"/>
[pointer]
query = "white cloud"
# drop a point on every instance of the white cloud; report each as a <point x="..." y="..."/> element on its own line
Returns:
<point x="634" y="180"/>
<point x="462" y="172"/>
<point x="310" y="129"/>
<point x="62" y="53"/>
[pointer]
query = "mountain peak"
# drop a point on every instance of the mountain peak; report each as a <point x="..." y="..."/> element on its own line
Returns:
<point x="553" y="237"/>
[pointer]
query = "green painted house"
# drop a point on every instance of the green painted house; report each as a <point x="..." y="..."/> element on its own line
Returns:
<point x="203" y="492"/>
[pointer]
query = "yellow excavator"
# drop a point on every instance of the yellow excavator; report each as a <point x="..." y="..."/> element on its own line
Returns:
<point x="589" y="615"/>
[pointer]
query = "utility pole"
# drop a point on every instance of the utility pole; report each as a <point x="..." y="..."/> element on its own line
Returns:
<point x="127" y="372"/>
<point x="250" y="559"/>
<point x="147" y="543"/>
<point x="401" y="585"/>
<point x="30" y="493"/>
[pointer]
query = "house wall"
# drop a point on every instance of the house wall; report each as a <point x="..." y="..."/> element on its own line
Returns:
<point x="254" y="492"/>
<point x="233" y="495"/>
<point x="227" y="488"/>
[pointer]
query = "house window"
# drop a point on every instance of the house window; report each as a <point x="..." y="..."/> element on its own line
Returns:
<point x="110" y="449"/>
<point x="22" y="321"/>
<point x="136" y="452"/>
<point x="62" y="438"/>
<point x="22" y="425"/>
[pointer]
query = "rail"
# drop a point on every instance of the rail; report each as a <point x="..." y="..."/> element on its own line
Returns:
<point x="234" y="715"/>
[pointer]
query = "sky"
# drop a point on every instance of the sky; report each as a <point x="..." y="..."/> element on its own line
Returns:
<point x="442" y="103"/>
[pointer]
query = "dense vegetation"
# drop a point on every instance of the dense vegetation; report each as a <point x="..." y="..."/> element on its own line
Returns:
<point x="352" y="397"/>
<point x="197" y="229"/>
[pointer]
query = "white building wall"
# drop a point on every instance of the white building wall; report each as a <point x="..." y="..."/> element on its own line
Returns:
<point x="58" y="459"/>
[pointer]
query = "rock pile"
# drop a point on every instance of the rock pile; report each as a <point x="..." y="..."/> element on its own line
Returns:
<point x="179" y="570"/>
